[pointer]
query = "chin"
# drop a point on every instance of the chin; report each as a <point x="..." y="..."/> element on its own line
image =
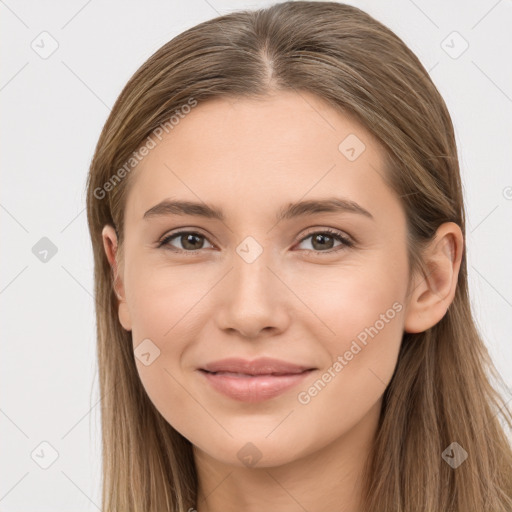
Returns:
<point x="258" y="452"/>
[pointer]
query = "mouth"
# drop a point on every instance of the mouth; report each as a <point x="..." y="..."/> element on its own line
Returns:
<point x="265" y="374"/>
<point x="254" y="387"/>
<point x="260" y="366"/>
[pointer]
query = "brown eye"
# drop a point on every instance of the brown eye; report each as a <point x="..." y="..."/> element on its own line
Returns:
<point x="324" y="241"/>
<point x="190" y="241"/>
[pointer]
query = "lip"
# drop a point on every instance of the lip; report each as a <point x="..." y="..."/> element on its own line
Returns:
<point x="254" y="381"/>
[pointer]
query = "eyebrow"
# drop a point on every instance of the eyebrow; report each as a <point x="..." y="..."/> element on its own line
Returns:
<point x="292" y="210"/>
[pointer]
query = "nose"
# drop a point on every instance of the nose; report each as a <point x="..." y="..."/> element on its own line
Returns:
<point x="254" y="300"/>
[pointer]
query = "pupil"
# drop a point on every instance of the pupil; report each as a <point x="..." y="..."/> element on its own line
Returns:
<point x="189" y="241"/>
<point x="322" y="238"/>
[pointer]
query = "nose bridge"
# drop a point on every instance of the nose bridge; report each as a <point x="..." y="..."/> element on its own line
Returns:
<point x="254" y="300"/>
<point x="252" y="281"/>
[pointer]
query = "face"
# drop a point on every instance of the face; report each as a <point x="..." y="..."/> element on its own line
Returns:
<point x="320" y="289"/>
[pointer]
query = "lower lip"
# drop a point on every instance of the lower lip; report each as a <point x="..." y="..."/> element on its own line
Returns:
<point x="254" y="388"/>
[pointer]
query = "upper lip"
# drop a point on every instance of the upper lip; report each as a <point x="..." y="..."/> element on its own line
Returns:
<point x="261" y="366"/>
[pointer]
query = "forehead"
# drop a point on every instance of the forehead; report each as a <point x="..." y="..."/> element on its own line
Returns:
<point x="249" y="155"/>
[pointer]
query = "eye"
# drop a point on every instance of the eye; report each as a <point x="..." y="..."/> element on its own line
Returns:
<point x="191" y="241"/>
<point x="321" y="241"/>
<point x="324" y="240"/>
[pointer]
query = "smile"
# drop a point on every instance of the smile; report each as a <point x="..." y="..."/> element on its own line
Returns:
<point x="253" y="388"/>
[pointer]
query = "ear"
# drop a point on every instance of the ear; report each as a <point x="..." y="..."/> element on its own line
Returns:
<point x="433" y="293"/>
<point x="110" y="244"/>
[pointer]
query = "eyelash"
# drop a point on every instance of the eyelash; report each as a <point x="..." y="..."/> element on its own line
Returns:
<point x="346" y="242"/>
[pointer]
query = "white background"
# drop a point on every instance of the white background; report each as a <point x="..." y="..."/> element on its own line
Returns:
<point x="52" y="112"/>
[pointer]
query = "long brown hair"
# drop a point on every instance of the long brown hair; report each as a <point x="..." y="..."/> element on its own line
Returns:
<point x="442" y="390"/>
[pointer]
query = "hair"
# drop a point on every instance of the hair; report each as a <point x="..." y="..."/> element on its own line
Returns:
<point x="441" y="390"/>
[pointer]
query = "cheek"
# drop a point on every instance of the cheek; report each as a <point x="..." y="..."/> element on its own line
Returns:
<point x="163" y="301"/>
<point x="163" y="322"/>
<point x="345" y="299"/>
<point x="361" y="309"/>
<point x="362" y="356"/>
<point x="167" y="313"/>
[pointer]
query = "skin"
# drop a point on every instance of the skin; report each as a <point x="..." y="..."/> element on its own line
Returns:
<point x="251" y="158"/>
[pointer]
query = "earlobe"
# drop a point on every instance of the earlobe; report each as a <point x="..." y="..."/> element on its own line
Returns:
<point x="110" y="244"/>
<point x="432" y="293"/>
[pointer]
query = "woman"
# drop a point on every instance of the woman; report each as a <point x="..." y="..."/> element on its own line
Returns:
<point x="283" y="317"/>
